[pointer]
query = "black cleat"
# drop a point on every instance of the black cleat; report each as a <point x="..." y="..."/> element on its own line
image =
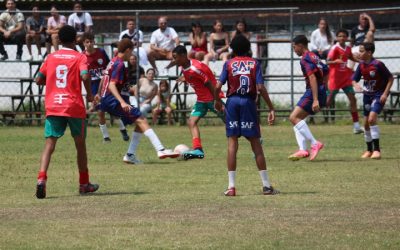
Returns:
<point x="41" y="190"/>
<point x="270" y="191"/>
<point x="125" y="135"/>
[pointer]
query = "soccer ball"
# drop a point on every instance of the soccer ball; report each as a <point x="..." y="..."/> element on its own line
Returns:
<point x="181" y="148"/>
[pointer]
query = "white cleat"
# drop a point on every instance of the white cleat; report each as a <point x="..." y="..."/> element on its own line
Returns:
<point x="167" y="153"/>
<point x="131" y="159"/>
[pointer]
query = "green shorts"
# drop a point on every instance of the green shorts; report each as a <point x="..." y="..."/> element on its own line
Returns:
<point x="55" y="126"/>
<point x="200" y="109"/>
<point x="347" y="90"/>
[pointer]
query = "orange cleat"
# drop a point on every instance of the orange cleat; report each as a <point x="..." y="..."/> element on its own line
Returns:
<point x="367" y="154"/>
<point x="376" y="155"/>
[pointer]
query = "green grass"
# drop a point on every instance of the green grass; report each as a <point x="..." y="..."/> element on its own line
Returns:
<point x="337" y="202"/>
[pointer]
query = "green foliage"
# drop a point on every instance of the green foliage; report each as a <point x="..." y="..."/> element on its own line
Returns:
<point x="337" y="202"/>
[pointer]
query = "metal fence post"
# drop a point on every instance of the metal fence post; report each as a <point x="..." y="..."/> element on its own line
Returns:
<point x="291" y="62"/>
<point x="137" y="60"/>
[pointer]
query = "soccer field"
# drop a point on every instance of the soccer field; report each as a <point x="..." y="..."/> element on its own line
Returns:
<point x="337" y="202"/>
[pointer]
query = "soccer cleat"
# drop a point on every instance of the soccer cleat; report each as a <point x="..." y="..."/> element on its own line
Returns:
<point x="167" y="153"/>
<point x="41" y="190"/>
<point x="270" y="191"/>
<point x="4" y="57"/>
<point x="357" y="131"/>
<point x="125" y="135"/>
<point x="88" y="188"/>
<point x="315" y="150"/>
<point x="131" y="159"/>
<point x="376" y="155"/>
<point x="367" y="154"/>
<point x="107" y="140"/>
<point x="230" y="192"/>
<point x="193" y="154"/>
<point x="299" y="155"/>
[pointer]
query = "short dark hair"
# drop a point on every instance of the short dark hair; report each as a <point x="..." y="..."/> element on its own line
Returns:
<point x="369" y="47"/>
<point x="344" y="31"/>
<point x="124" y="44"/>
<point x="240" y="45"/>
<point x="180" y="50"/>
<point x="67" y="34"/>
<point x="88" y="35"/>
<point x="300" y="39"/>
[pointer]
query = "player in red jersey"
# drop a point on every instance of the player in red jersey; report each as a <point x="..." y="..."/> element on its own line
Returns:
<point x="98" y="60"/>
<point x="340" y="75"/>
<point x="377" y="84"/>
<point x="115" y="100"/>
<point x="202" y="80"/>
<point x="62" y="74"/>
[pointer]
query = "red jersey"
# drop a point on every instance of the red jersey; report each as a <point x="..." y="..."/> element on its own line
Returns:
<point x="62" y="71"/>
<point x="97" y="62"/>
<point x="339" y="73"/>
<point x="197" y="75"/>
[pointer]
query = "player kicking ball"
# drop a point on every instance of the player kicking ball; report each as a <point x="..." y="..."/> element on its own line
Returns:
<point x="115" y="100"/>
<point x="244" y="78"/>
<point x="62" y="73"/>
<point x="377" y="83"/>
<point x="311" y="102"/>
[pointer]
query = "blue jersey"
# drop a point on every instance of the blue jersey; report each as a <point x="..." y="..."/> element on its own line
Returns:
<point x="311" y="64"/>
<point x="242" y="74"/>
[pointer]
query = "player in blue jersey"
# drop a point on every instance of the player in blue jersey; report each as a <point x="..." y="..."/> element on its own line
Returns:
<point x="315" y="73"/>
<point x="244" y="78"/>
<point x="98" y="60"/>
<point x="115" y="100"/>
<point x="377" y="83"/>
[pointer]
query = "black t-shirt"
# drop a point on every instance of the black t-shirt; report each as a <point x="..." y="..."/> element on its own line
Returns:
<point x="132" y="75"/>
<point x="358" y="36"/>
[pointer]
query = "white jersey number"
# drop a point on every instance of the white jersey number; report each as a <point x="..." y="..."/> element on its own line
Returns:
<point x="61" y="75"/>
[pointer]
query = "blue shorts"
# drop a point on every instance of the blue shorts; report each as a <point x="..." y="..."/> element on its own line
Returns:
<point x="94" y="87"/>
<point x="112" y="106"/>
<point x="372" y="103"/>
<point x="306" y="100"/>
<point x="241" y="117"/>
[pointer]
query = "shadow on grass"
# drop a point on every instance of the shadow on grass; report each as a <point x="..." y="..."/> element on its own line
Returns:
<point x="99" y="194"/>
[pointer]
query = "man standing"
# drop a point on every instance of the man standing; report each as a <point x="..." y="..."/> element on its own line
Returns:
<point x="81" y="21"/>
<point x="136" y="36"/>
<point x="11" y="29"/>
<point x="162" y="42"/>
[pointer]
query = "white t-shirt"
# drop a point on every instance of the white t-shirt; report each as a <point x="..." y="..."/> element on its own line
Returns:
<point x="319" y="41"/>
<point x="164" y="40"/>
<point x="52" y="23"/>
<point x="132" y="36"/>
<point x="80" y="22"/>
<point x="11" y="21"/>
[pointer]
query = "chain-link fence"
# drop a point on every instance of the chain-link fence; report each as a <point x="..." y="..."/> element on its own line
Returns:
<point x="271" y="33"/>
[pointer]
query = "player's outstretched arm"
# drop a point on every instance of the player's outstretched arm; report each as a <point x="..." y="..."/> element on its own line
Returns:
<point x="264" y="93"/>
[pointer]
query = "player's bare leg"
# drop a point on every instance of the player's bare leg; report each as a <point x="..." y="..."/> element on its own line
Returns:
<point x="354" y="113"/>
<point x="50" y="145"/>
<point x="375" y="133"/>
<point x="233" y="146"/>
<point x="103" y="126"/>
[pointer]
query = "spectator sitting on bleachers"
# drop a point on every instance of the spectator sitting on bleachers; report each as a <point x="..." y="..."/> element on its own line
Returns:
<point x="81" y="21"/>
<point x="198" y="40"/>
<point x="11" y="29"/>
<point x="54" y="24"/>
<point x="132" y="70"/>
<point x="321" y="39"/>
<point x="35" y="32"/>
<point x="241" y="28"/>
<point x="219" y="44"/>
<point x="162" y="42"/>
<point x="136" y="36"/>
<point x="147" y="91"/>
<point x="163" y="102"/>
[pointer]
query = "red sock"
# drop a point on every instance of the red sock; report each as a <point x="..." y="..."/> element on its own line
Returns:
<point x="354" y="115"/>
<point x="196" y="143"/>
<point x="83" y="178"/>
<point x="42" y="176"/>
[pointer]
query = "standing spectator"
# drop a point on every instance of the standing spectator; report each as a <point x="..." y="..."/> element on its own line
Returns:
<point x="63" y="73"/>
<point x="147" y="91"/>
<point x="241" y="28"/>
<point x="363" y="32"/>
<point x="163" y="102"/>
<point x="321" y="39"/>
<point x="132" y="70"/>
<point x="219" y="44"/>
<point x="11" y="29"/>
<point x="198" y="40"/>
<point x="81" y="21"/>
<point x="162" y="42"/>
<point x="35" y="31"/>
<point x="54" y="24"/>
<point x="136" y="36"/>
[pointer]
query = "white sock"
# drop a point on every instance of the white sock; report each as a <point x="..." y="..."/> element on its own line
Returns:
<point x="301" y="141"/>
<point x="154" y="139"/>
<point x="367" y="136"/>
<point x="104" y="130"/>
<point x="134" y="142"/>
<point x="374" y="132"/>
<point x="264" y="178"/>
<point x="356" y="125"/>
<point x="121" y="125"/>
<point x="231" y="176"/>
<point x="305" y="131"/>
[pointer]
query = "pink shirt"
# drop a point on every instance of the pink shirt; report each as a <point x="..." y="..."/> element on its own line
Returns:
<point x="52" y="23"/>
